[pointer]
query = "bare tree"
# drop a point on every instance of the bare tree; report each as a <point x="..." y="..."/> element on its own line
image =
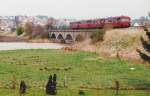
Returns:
<point x="37" y="31"/>
<point x="28" y="28"/>
<point x="50" y="23"/>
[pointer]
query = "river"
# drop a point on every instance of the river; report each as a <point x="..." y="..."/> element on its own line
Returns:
<point x="25" y="45"/>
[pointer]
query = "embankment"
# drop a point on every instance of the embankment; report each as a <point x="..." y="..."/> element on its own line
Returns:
<point x="120" y="43"/>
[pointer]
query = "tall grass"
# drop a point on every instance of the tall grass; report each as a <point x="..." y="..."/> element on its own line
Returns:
<point x="79" y="69"/>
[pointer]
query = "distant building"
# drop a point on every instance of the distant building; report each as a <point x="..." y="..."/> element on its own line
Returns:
<point x="7" y="23"/>
<point x="63" y="23"/>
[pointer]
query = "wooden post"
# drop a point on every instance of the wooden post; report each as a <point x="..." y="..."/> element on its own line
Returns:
<point x="117" y="86"/>
<point x="14" y="82"/>
<point x="65" y="81"/>
<point x="22" y="89"/>
<point x="118" y="53"/>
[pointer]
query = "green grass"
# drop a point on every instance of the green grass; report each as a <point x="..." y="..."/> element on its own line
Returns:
<point x="82" y="69"/>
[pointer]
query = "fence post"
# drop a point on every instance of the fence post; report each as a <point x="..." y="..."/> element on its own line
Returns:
<point x="14" y="82"/>
<point x="117" y="86"/>
<point x="65" y="81"/>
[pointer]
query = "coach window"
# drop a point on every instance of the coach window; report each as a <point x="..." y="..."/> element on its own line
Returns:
<point x="88" y="22"/>
<point x="109" y="20"/>
<point x="97" y="21"/>
<point x="118" y="19"/>
<point x="115" y="20"/>
<point x="94" y="22"/>
<point x="83" y="22"/>
<point x="79" y="22"/>
<point x="106" y="20"/>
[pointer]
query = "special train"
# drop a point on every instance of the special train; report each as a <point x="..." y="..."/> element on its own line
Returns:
<point x="114" y="22"/>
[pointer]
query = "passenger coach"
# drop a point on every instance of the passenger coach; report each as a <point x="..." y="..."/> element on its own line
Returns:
<point x="115" y="22"/>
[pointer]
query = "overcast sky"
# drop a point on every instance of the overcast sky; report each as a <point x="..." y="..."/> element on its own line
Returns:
<point x="78" y="9"/>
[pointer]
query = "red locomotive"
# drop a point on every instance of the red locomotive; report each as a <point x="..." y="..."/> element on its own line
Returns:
<point x="115" y="22"/>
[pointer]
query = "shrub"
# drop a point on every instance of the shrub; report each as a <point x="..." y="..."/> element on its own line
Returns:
<point x="44" y="35"/>
<point x="79" y="38"/>
<point x="98" y="35"/>
<point x="19" y="30"/>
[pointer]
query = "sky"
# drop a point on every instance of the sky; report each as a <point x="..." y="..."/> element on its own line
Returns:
<point x="77" y="9"/>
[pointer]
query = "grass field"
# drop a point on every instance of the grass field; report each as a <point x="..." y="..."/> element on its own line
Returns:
<point x="81" y="69"/>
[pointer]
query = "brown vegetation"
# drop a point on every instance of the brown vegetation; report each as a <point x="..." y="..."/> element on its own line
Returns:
<point x="118" y="43"/>
<point x="37" y="31"/>
<point x="79" y="38"/>
<point x="28" y="28"/>
<point x="69" y="49"/>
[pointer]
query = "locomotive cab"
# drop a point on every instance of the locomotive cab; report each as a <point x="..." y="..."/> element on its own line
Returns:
<point x="124" y="21"/>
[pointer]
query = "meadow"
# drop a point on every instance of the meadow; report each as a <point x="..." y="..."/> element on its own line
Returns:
<point x="75" y="71"/>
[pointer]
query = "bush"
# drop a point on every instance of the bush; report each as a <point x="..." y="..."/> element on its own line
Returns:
<point x="19" y="30"/>
<point x="98" y="35"/>
<point x="79" y="38"/>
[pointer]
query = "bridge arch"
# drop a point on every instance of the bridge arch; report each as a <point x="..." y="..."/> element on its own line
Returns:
<point x="69" y="38"/>
<point x="60" y="37"/>
<point x="53" y="36"/>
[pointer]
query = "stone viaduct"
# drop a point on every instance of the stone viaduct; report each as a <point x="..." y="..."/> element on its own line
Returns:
<point x="68" y="36"/>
